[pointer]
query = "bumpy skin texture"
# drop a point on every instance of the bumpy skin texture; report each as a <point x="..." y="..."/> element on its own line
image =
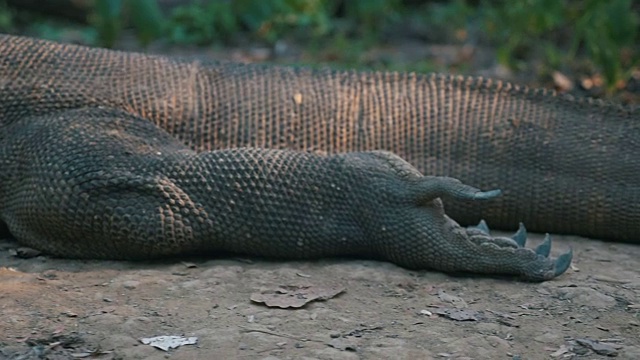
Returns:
<point x="565" y="166"/>
<point x="105" y="184"/>
<point x="119" y="155"/>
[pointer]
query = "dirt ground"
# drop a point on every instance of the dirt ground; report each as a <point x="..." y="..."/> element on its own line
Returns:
<point x="63" y="309"/>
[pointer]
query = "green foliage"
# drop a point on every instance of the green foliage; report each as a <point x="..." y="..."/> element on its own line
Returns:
<point x="106" y="19"/>
<point x="607" y="30"/>
<point x="202" y="24"/>
<point x="6" y="17"/>
<point x="521" y="27"/>
<point x="556" y="31"/>
<point x="147" y="19"/>
<point x="143" y="15"/>
<point x="371" y="15"/>
<point x="270" y="20"/>
<point x="212" y="21"/>
<point x="452" y="15"/>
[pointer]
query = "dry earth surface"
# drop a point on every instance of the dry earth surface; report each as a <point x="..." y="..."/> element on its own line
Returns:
<point x="61" y="309"/>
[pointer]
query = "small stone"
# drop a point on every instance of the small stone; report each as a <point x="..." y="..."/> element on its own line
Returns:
<point x="335" y="334"/>
<point x="130" y="284"/>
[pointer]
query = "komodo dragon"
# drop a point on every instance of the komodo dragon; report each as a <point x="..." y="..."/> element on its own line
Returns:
<point x="115" y="155"/>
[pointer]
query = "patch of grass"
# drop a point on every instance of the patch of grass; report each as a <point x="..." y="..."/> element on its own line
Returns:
<point x="6" y="17"/>
<point x="606" y="31"/>
<point x="557" y="32"/>
<point x="202" y="24"/>
<point x="109" y="17"/>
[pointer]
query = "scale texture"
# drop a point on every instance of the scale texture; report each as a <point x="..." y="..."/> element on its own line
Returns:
<point x="119" y="155"/>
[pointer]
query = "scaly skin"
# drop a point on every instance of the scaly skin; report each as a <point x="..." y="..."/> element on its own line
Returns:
<point x="565" y="165"/>
<point x="101" y="183"/>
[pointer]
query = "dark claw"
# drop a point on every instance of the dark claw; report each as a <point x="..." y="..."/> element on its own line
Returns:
<point x="563" y="262"/>
<point x="486" y="195"/>
<point x="482" y="226"/>
<point x="520" y="237"/>
<point x="545" y="248"/>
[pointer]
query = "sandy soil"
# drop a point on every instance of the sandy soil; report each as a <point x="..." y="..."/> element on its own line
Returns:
<point x="101" y="309"/>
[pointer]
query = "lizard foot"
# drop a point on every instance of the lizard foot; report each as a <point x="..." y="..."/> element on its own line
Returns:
<point x="539" y="266"/>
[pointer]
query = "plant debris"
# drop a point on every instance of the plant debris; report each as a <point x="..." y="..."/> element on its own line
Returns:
<point x="169" y="342"/>
<point x="292" y="296"/>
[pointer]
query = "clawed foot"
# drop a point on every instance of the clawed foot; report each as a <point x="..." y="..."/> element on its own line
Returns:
<point x="439" y="242"/>
<point x="534" y="265"/>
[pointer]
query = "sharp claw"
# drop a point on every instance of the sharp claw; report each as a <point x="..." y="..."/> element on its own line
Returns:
<point x="542" y="267"/>
<point x="485" y="195"/>
<point x="563" y="262"/>
<point x="545" y="248"/>
<point x="482" y="226"/>
<point x="520" y="237"/>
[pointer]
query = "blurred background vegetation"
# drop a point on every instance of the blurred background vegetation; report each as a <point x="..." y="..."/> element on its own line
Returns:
<point x="590" y="46"/>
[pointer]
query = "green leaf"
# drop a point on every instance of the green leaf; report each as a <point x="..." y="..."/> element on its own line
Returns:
<point x="147" y="18"/>
<point x="106" y="18"/>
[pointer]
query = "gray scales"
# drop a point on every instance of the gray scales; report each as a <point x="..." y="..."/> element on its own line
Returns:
<point x="114" y="155"/>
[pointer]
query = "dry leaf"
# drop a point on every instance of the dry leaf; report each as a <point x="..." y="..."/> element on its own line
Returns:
<point x="169" y="342"/>
<point x="295" y="296"/>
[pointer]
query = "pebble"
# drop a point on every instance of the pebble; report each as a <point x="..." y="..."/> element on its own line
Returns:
<point x="130" y="284"/>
